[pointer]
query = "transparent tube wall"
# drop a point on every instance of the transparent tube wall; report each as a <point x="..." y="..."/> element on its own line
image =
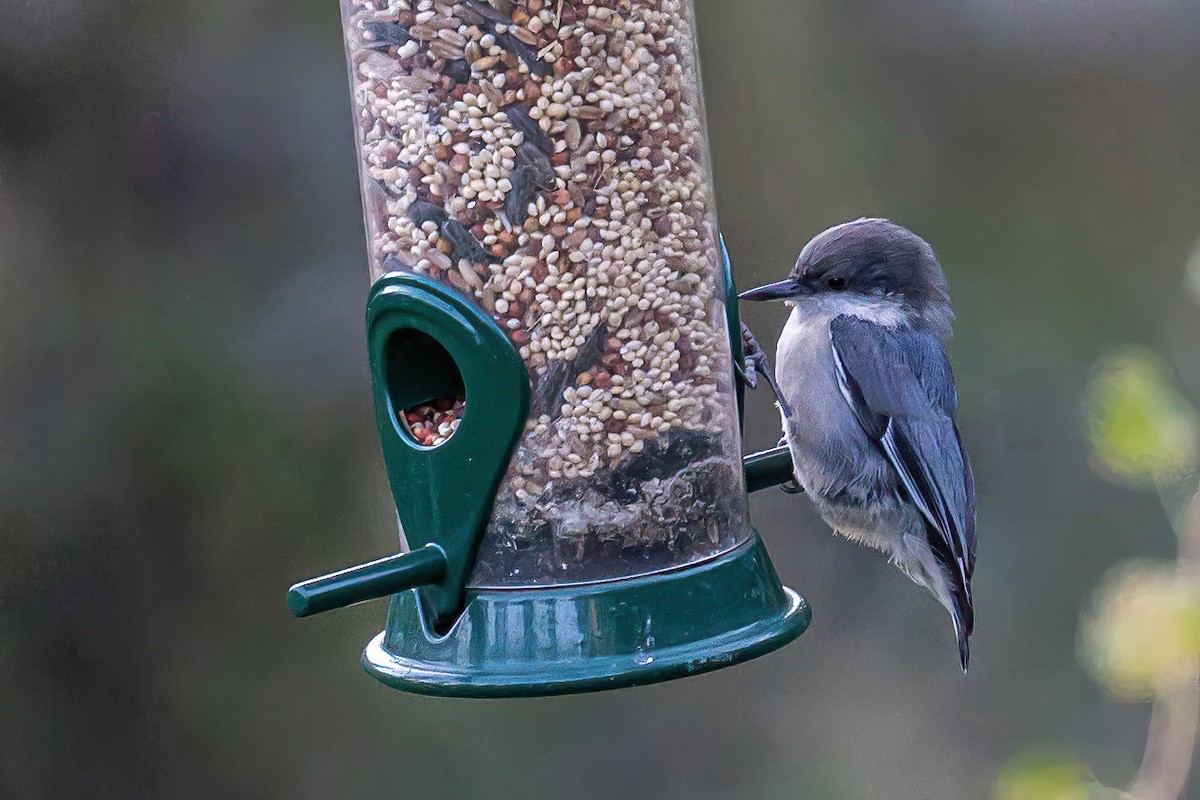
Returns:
<point x="549" y="159"/>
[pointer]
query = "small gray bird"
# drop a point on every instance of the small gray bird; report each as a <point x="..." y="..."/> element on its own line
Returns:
<point x="869" y="405"/>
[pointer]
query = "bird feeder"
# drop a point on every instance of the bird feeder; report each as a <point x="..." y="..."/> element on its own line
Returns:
<point x="549" y="335"/>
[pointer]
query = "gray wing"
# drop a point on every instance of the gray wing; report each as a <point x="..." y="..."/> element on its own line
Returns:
<point x="900" y="387"/>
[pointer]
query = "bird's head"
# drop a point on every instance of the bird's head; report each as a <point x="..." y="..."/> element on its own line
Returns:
<point x="870" y="259"/>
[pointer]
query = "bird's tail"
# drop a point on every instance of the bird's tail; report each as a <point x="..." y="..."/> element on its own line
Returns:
<point x="962" y="613"/>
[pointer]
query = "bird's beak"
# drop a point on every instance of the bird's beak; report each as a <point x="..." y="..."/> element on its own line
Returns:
<point x="780" y="290"/>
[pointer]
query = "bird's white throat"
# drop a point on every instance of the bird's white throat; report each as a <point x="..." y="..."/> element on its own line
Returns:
<point x="885" y="311"/>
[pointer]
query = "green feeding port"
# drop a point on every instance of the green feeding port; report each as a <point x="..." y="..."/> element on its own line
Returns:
<point x="552" y="335"/>
<point x="425" y="387"/>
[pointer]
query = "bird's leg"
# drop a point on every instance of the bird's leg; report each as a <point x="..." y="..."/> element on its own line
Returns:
<point x="747" y="368"/>
<point x="756" y="362"/>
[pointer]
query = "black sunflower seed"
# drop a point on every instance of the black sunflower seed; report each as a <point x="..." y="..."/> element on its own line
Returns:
<point x="541" y="171"/>
<point x="516" y="202"/>
<point x="547" y="394"/>
<point x="394" y="264"/>
<point x="462" y="243"/>
<point x="485" y="11"/>
<point x="529" y="55"/>
<point x="458" y="70"/>
<point x="521" y="120"/>
<point x="386" y="34"/>
<point x="422" y="211"/>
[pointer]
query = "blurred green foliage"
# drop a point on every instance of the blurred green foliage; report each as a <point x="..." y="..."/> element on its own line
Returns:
<point x="1143" y="429"/>
<point x="1040" y="776"/>
<point x="1142" y="633"/>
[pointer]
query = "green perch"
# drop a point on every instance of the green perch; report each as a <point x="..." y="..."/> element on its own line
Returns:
<point x="428" y="565"/>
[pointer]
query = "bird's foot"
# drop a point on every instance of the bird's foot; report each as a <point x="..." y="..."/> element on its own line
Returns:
<point x="746" y="374"/>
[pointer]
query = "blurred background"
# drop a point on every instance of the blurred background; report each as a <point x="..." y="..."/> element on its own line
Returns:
<point x="185" y="421"/>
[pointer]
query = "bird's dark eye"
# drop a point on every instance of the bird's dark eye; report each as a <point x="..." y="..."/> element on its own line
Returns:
<point x="837" y="284"/>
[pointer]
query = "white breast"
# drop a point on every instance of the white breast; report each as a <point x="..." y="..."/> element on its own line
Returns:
<point x="805" y="370"/>
<point x="823" y="434"/>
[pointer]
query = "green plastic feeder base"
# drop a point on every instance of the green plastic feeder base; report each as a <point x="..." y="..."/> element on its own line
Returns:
<point x="606" y="635"/>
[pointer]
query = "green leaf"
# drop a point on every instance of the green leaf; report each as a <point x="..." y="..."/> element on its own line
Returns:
<point x="1142" y="428"/>
<point x="1044" y="776"/>
<point x="1141" y="636"/>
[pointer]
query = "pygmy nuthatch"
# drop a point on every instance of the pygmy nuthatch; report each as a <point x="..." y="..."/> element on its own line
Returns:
<point x="868" y="404"/>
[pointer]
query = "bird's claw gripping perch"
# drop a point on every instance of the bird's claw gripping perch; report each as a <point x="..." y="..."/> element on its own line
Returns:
<point x="755" y="363"/>
<point x="746" y="376"/>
